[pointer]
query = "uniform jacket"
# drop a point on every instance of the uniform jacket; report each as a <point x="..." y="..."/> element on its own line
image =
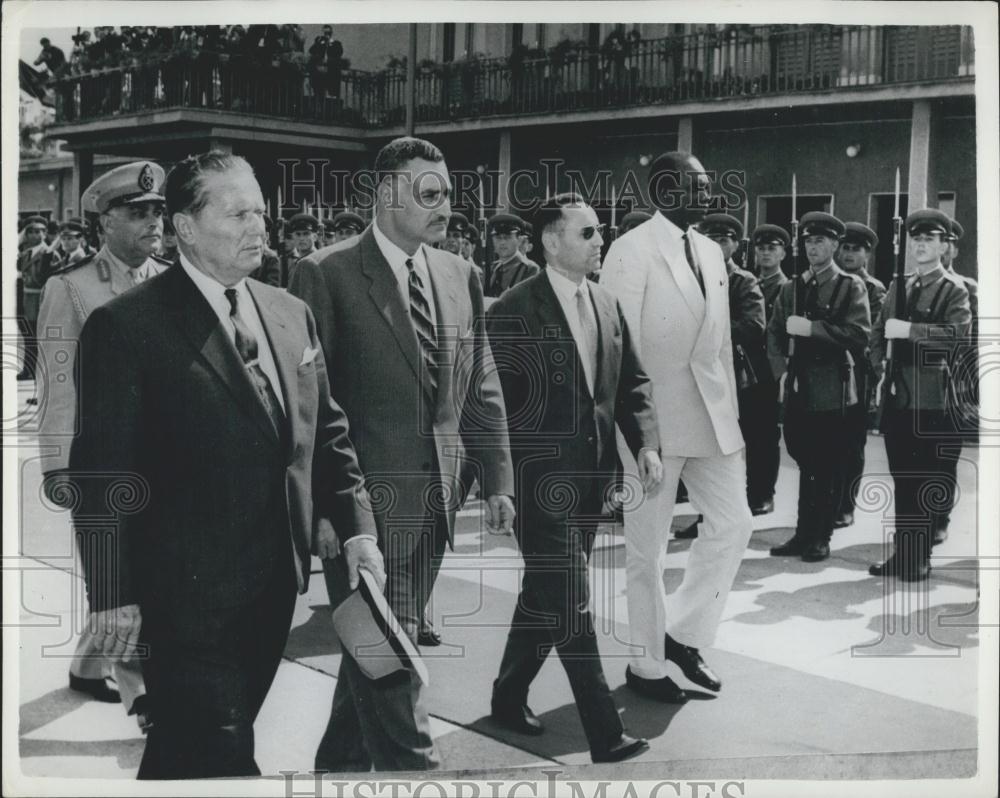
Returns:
<point x="512" y="271"/>
<point x="876" y="293"/>
<point x="820" y="359"/>
<point x="746" y="312"/>
<point x="70" y="296"/>
<point x="771" y="287"/>
<point x="35" y="267"/>
<point x="269" y="270"/>
<point x="562" y="435"/>
<point x="412" y="445"/>
<point x="921" y="375"/>
<point x="683" y="338"/>
<point x="166" y="401"/>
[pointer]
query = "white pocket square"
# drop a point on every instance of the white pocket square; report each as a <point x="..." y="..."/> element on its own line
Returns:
<point x="308" y="355"/>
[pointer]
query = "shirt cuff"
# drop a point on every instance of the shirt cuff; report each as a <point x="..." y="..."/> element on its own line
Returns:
<point x="362" y="536"/>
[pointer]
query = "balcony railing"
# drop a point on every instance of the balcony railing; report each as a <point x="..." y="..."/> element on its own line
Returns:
<point x="736" y="61"/>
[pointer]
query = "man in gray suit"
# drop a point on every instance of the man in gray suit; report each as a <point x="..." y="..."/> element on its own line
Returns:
<point x="416" y="379"/>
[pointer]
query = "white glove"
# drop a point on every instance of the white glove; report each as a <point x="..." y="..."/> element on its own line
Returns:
<point x="798" y="325"/>
<point x="897" y="328"/>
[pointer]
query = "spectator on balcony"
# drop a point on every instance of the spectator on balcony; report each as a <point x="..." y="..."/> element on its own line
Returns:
<point x="53" y="58"/>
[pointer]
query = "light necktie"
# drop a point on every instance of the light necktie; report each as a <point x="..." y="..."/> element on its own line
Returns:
<point x="423" y="323"/>
<point x="693" y="263"/>
<point x="246" y="345"/>
<point x="588" y="326"/>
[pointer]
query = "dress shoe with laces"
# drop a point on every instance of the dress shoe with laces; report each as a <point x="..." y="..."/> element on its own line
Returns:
<point x="843" y="520"/>
<point x="793" y="547"/>
<point x="427" y="635"/>
<point x="664" y="689"/>
<point x="623" y="748"/>
<point x="762" y="508"/>
<point x="100" y="689"/>
<point x="817" y="551"/>
<point x="888" y="568"/>
<point x="691" y="664"/>
<point x="516" y="717"/>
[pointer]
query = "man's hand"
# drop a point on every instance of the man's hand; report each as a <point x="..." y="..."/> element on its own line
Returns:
<point x="118" y="631"/>
<point x="798" y="325"/>
<point x="499" y="514"/>
<point x="326" y="544"/>
<point x="897" y="328"/>
<point x="364" y="553"/>
<point x="650" y="470"/>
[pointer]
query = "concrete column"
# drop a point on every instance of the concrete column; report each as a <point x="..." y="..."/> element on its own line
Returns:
<point x="503" y="165"/>
<point x="920" y="188"/>
<point x="685" y="134"/>
<point x="83" y="176"/>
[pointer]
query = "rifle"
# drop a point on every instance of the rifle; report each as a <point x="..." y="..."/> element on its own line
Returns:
<point x="790" y="376"/>
<point x="745" y="241"/>
<point x="887" y="386"/>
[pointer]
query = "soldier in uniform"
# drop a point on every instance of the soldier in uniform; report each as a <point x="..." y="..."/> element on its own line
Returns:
<point x="73" y="241"/>
<point x="458" y="223"/>
<point x="346" y="224"/>
<point x="825" y="312"/>
<point x="632" y="219"/>
<point x="915" y="389"/>
<point x="35" y="263"/>
<point x="753" y="373"/>
<point x="130" y="202"/>
<point x="770" y="242"/>
<point x="269" y="270"/>
<point x="168" y="250"/>
<point x="527" y="244"/>
<point x="302" y="229"/>
<point x="854" y="254"/>
<point x="511" y="266"/>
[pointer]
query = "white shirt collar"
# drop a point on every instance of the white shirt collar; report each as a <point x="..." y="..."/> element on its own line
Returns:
<point x="395" y="257"/>
<point x="123" y="268"/>
<point x="213" y="290"/>
<point x="565" y="288"/>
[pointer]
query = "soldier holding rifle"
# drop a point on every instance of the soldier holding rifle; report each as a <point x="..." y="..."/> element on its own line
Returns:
<point x="818" y="332"/>
<point x="911" y="346"/>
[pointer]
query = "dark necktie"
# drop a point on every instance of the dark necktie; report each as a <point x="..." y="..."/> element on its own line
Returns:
<point x="693" y="263"/>
<point x="913" y="299"/>
<point x="423" y="324"/>
<point x="246" y="345"/>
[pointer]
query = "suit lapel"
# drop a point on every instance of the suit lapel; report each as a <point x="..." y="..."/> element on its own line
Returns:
<point x="711" y="319"/>
<point x="671" y="246"/>
<point x="198" y="322"/>
<point x="384" y="292"/>
<point x="284" y="346"/>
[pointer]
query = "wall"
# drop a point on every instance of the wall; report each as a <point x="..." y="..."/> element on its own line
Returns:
<point x="954" y="165"/>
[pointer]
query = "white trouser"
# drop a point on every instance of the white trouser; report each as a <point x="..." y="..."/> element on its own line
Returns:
<point x="716" y="486"/>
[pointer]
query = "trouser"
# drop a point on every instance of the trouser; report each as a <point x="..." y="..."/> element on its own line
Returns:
<point x="923" y="480"/>
<point x="759" y="425"/>
<point x="815" y="440"/>
<point x="856" y="429"/>
<point x="553" y="611"/>
<point x="89" y="663"/>
<point x="385" y="723"/>
<point x="690" y="614"/>
<point x="207" y="676"/>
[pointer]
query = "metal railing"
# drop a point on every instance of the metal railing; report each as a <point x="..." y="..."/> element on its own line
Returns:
<point x="732" y="62"/>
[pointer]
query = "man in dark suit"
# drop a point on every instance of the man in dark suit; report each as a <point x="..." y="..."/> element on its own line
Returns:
<point x="563" y="445"/>
<point x="206" y="395"/>
<point x="416" y="379"/>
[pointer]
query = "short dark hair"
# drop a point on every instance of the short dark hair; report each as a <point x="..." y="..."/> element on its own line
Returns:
<point x="550" y="214"/>
<point x="184" y="187"/>
<point x="398" y="152"/>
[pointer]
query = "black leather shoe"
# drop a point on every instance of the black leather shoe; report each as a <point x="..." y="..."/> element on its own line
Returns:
<point x="888" y="568"/>
<point x="516" y="718"/>
<point x="816" y="552"/>
<point x="688" y="532"/>
<point x="428" y="636"/>
<point x="762" y="508"/>
<point x="624" y="748"/>
<point x="95" y="688"/>
<point x="691" y="664"/>
<point x="843" y="520"/>
<point x="917" y="574"/>
<point x="140" y="708"/>
<point x="793" y="547"/>
<point x="940" y="535"/>
<point x="665" y="689"/>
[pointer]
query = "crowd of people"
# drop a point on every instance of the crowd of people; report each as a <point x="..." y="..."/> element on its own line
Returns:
<point x="259" y="397"/>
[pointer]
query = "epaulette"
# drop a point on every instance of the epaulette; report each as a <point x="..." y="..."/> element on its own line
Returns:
<point x="66" y="268"/>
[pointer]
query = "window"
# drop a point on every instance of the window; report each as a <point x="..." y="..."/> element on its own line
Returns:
<point x="448" y="47"/>
<point x="778" y="210"/>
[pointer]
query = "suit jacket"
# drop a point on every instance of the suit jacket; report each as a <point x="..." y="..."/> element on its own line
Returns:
<point x="683" y="337"/>
<point x="562" y="435"/>
<point x="68" y="298"/>
<point x="414" y="446"/>
<point x="168" y="408"/>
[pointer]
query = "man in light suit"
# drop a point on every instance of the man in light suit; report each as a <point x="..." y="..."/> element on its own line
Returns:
<point x="564" y="443"/>
<point x="206" y="395"/>
<point x="416" y="379"/>
<point x="672" y="285"/>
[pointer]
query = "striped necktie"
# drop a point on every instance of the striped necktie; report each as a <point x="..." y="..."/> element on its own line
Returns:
<point x="423" y="324"/>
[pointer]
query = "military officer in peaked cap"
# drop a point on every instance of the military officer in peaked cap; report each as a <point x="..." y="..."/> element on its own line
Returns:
<point x="303" y="229"/>
<point x="856" y="247"/>
<point x="753" y="372"/>
<point x="632" y="219"/>
<point x="35" y="264"/>
<point x="458" y="223"/>
<point x="73" y="241"/>
<point x="130" y="204"/>
<point x="345" y="225"/>
<point x="825" y="312"/>
<point x="918" y="381"/>
<point x="511" y="266"/>
<point x="770" y="243"/>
